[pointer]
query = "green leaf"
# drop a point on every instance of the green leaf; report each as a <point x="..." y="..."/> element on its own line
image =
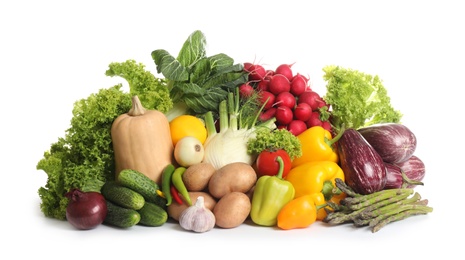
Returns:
<point x="193" y="49"/>
<point x="167" y="65"/>
<point x="220" y="61"/>
<point x="207" y="102"/>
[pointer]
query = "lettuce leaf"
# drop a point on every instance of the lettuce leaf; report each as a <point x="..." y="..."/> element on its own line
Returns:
<point x="357" y="99"/>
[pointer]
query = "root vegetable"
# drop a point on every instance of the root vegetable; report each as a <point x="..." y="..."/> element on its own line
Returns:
<point x="296" y="127"/>
<point x="232" y="177"/>
<point x="312" y="98"/>
<point x="298" y="85"/>
<point x="283" y="115"/>
<point x="246" y="90"/>
<point x="256" y="71"/>
<point x="268" y="98"/>
<point x="286" y="70"/>
<point x="232" y="210"/>
<point x="262" y="85"/>
<point x="279" y="83"/>
<point x="302" y="111"/>
<point x="285" y="99"/>
<point x="314" y="120"/>
<point x="197" y="176"/>
<point x="267" y="115"/>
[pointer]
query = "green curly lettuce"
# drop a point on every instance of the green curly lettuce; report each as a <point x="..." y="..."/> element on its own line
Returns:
<point x="357" y="99"/>
<point x="275" y="139"/>
<point x="83" y="158"/>
<point x="152" y="91"/>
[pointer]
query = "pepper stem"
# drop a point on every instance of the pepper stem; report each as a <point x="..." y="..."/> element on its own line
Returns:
<point x="281" y="167"/>
<point x="328" y="190"/>
<point x="331" y="142"/>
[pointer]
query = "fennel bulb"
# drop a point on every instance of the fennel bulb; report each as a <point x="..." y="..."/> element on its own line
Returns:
<point x="230" y="143"/>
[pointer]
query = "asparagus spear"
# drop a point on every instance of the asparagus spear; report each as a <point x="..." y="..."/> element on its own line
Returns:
<point x="378" y="209"/>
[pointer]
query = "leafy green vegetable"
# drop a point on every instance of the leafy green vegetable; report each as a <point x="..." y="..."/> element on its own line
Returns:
<point x="197" y="83"/>
<point x="152" y="91"/>
<point x="357" y="99"/>
<point x="84" y="157"/>
<point x="275" y="139"/>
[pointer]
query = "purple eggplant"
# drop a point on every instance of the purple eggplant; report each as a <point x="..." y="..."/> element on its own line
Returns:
<point x="413" y="168"/>
<point x="394" y="142"/>
<point x="396" y="178"/>
<point x="363" y="167"/>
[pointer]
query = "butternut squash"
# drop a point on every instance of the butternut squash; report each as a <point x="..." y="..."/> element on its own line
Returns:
<point x="142" y="141"/>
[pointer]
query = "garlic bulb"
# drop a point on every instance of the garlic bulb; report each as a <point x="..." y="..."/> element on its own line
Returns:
<point x="197" y="217"/>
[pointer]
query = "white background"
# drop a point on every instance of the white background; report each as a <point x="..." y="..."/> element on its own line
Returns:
<point x="53" y="53"/>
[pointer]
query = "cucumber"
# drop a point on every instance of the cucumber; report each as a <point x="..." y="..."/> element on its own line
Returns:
<point x="122" y="196"/>
<point x="121" y="217"/>
<point x="152" y="215"/>
<point x="142" y="184"/>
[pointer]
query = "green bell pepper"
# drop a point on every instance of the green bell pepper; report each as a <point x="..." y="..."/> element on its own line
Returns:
<point x="270" y="195"/>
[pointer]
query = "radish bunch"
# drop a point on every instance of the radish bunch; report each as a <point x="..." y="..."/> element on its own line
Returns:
<point x="287" y="96"/>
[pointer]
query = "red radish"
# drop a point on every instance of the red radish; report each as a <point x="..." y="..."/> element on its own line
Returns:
<point x="256" y="71"/>
<point x="312" y="98"/>
<point x="246" y="90"/>
<point x="296" y="127"/>
<point x="269" y="74"/>
<point x="314" y="120"/>
<point x="286" y="70"/>
<point x="262" y="85"/>
<point x="302" y="111"/>
<point x="327" y="125"/>
<point x="268" y="97"/>
<point x="283" y="115"/>
<point x="298" y="85"/>
<point x="248" y="66"/>
<point x="286" y="99"/>
<point x="281" y="127"/>
<point x="301" y="76"/>
<point x="279" y="83"/>
<point x="267" y="114"/>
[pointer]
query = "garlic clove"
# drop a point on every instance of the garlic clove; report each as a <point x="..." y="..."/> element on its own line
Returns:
<point x="197" y="217"/>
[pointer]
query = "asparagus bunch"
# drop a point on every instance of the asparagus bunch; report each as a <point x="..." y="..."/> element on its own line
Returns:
<point x="375" y="210"/>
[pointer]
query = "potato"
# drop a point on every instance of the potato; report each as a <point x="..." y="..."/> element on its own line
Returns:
<point x="237" y="176"/>
<point x="174" y="210"/>
<point x="232" y="210"/>
<point x="197" y="176"/>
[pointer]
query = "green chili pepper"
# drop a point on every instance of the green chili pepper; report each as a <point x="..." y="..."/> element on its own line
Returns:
<point x="179" y="184"/>
<point x="166" y="183"/>
<point x="270" y="195"/>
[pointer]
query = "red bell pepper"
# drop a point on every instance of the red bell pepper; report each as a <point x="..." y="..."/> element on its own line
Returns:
<point x="268" y="165"/>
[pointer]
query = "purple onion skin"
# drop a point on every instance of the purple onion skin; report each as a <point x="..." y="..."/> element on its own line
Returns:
<point x="363" y="167"/>
<point x="414" y="168"/>
<point x="85" y="210"/>
<point x="394" y="142"/>
<point x="394" y="178"/>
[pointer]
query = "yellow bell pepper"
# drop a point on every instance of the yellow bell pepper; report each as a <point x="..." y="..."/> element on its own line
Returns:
<point x="317" y="145"/>
<point x="317" y="179"/>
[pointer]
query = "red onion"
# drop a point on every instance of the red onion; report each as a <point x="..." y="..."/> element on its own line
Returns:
<point x="85" y="210"/>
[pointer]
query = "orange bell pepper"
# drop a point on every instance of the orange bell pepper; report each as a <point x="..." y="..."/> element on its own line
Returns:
<point x="317" y="179"/>
<point x="300" y="212"/>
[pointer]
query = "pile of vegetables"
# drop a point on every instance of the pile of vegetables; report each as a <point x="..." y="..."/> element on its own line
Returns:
<point x="216" y="143"/>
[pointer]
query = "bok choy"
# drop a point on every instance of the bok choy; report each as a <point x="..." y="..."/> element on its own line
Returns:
<point x="197" y="82"/>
